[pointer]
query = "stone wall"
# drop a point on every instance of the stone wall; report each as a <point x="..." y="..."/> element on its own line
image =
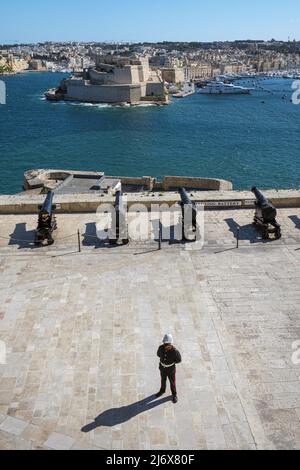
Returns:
<point x="155" y="88"/>
<point x="104" y="93"/>
<point x="38" y="178"/>
<point x="126" y="75"/>
<point x="79" y="203"/>
<point x="170" y="182"/>
<point x="148" y="182"/>
<point x="173" y="75"/>
<point x="136" y="93"/>
<point x="98" y="77"/>
<point x="144" y="71"/>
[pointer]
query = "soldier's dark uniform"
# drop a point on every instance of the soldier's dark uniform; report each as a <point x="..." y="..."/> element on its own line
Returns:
<point x="167" y="367"/>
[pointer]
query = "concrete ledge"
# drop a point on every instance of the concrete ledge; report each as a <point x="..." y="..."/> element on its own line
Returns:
<point x="69" y="203"/>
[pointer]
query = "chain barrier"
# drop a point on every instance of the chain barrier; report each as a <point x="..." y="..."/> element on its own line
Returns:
<point x="31" y="241"/>
<point x="16" y="239"/>
<point x="89" y="236"/>
<point x="76" y="234"/>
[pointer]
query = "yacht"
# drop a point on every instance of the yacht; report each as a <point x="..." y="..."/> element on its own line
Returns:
<point x="221" y="88"/>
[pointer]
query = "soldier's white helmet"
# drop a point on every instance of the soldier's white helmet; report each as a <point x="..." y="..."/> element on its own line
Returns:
<point x="168" y="338"/>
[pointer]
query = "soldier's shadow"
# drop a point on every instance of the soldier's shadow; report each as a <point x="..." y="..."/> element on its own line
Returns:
<point x="115" y="416"/>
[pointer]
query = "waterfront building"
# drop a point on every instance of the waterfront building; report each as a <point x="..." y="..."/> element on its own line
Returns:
<point x="200" y="71"/>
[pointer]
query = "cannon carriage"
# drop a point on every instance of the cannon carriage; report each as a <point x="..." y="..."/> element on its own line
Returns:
<point x="265" y="216"/>
<point x="46" y="221"/>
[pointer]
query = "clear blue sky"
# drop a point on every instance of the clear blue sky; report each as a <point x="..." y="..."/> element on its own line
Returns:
<point x="152" y="20"/>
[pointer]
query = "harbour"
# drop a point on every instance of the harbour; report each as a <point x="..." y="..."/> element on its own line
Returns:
<point x="236" y="138"/>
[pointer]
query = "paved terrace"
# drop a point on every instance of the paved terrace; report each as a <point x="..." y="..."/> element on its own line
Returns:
<point x="82" y="329"/>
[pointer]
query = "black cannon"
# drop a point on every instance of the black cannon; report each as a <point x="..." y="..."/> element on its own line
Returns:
<point x="265" y="216"/>
<point x="46" y="222"/>
<point x="189" y="216"/>
<point x="121" y="234"/>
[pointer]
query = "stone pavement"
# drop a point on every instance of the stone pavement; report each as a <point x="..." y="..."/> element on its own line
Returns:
<point x="81" y="332"/>
<point x="220" y="227"/>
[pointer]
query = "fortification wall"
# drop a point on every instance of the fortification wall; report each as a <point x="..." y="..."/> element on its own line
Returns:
<point x="173" y="75"/>
<point x="126" y="75"/>
<point x="211" y="184"/>
<point x="155" y="88"/>
<point x="104" y="93"/>
<point x="100" y="77"/>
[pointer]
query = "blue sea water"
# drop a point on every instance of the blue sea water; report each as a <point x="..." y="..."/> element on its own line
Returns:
<point x="238" y="138"/>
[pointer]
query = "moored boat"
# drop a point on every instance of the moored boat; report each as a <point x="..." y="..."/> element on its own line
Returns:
<point x="220" y="88"/>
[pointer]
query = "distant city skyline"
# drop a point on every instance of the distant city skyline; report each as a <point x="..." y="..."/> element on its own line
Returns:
<point x="33" y="21"/>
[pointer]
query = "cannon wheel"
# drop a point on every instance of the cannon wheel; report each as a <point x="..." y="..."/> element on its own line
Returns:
<point x="265" y="233"/>
<point x="36" y="241"/>
<point x="278" y="234"/>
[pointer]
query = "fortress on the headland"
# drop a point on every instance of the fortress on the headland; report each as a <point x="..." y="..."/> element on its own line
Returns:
<point x="115" y="80"/>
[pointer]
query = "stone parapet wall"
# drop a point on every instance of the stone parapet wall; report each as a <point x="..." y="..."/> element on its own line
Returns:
<point x="76" y="203"/>
<point x="147" y="182"/>
<point x="104" y="93"/>
<point x="169" y="182"/>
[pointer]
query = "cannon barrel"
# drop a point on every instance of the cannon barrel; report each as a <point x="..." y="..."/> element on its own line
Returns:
<point x="268" y="211"/>
<point x="46" y="211"/>
<point x="184" y="197"/>
<point x="46" y="220"/>
<point x="259" y="196"/>
<point x="120" y="208"/>
<point x="189" y="210"/>
<point x="119" y="202"/>
<point x="47" y="207"/>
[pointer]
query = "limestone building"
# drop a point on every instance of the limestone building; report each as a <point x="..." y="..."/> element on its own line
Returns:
<point x="116" y="80"/>
<point x="173" y="74"/>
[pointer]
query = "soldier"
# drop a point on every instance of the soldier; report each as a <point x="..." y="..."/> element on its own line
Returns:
<point x="169" y="356"/>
